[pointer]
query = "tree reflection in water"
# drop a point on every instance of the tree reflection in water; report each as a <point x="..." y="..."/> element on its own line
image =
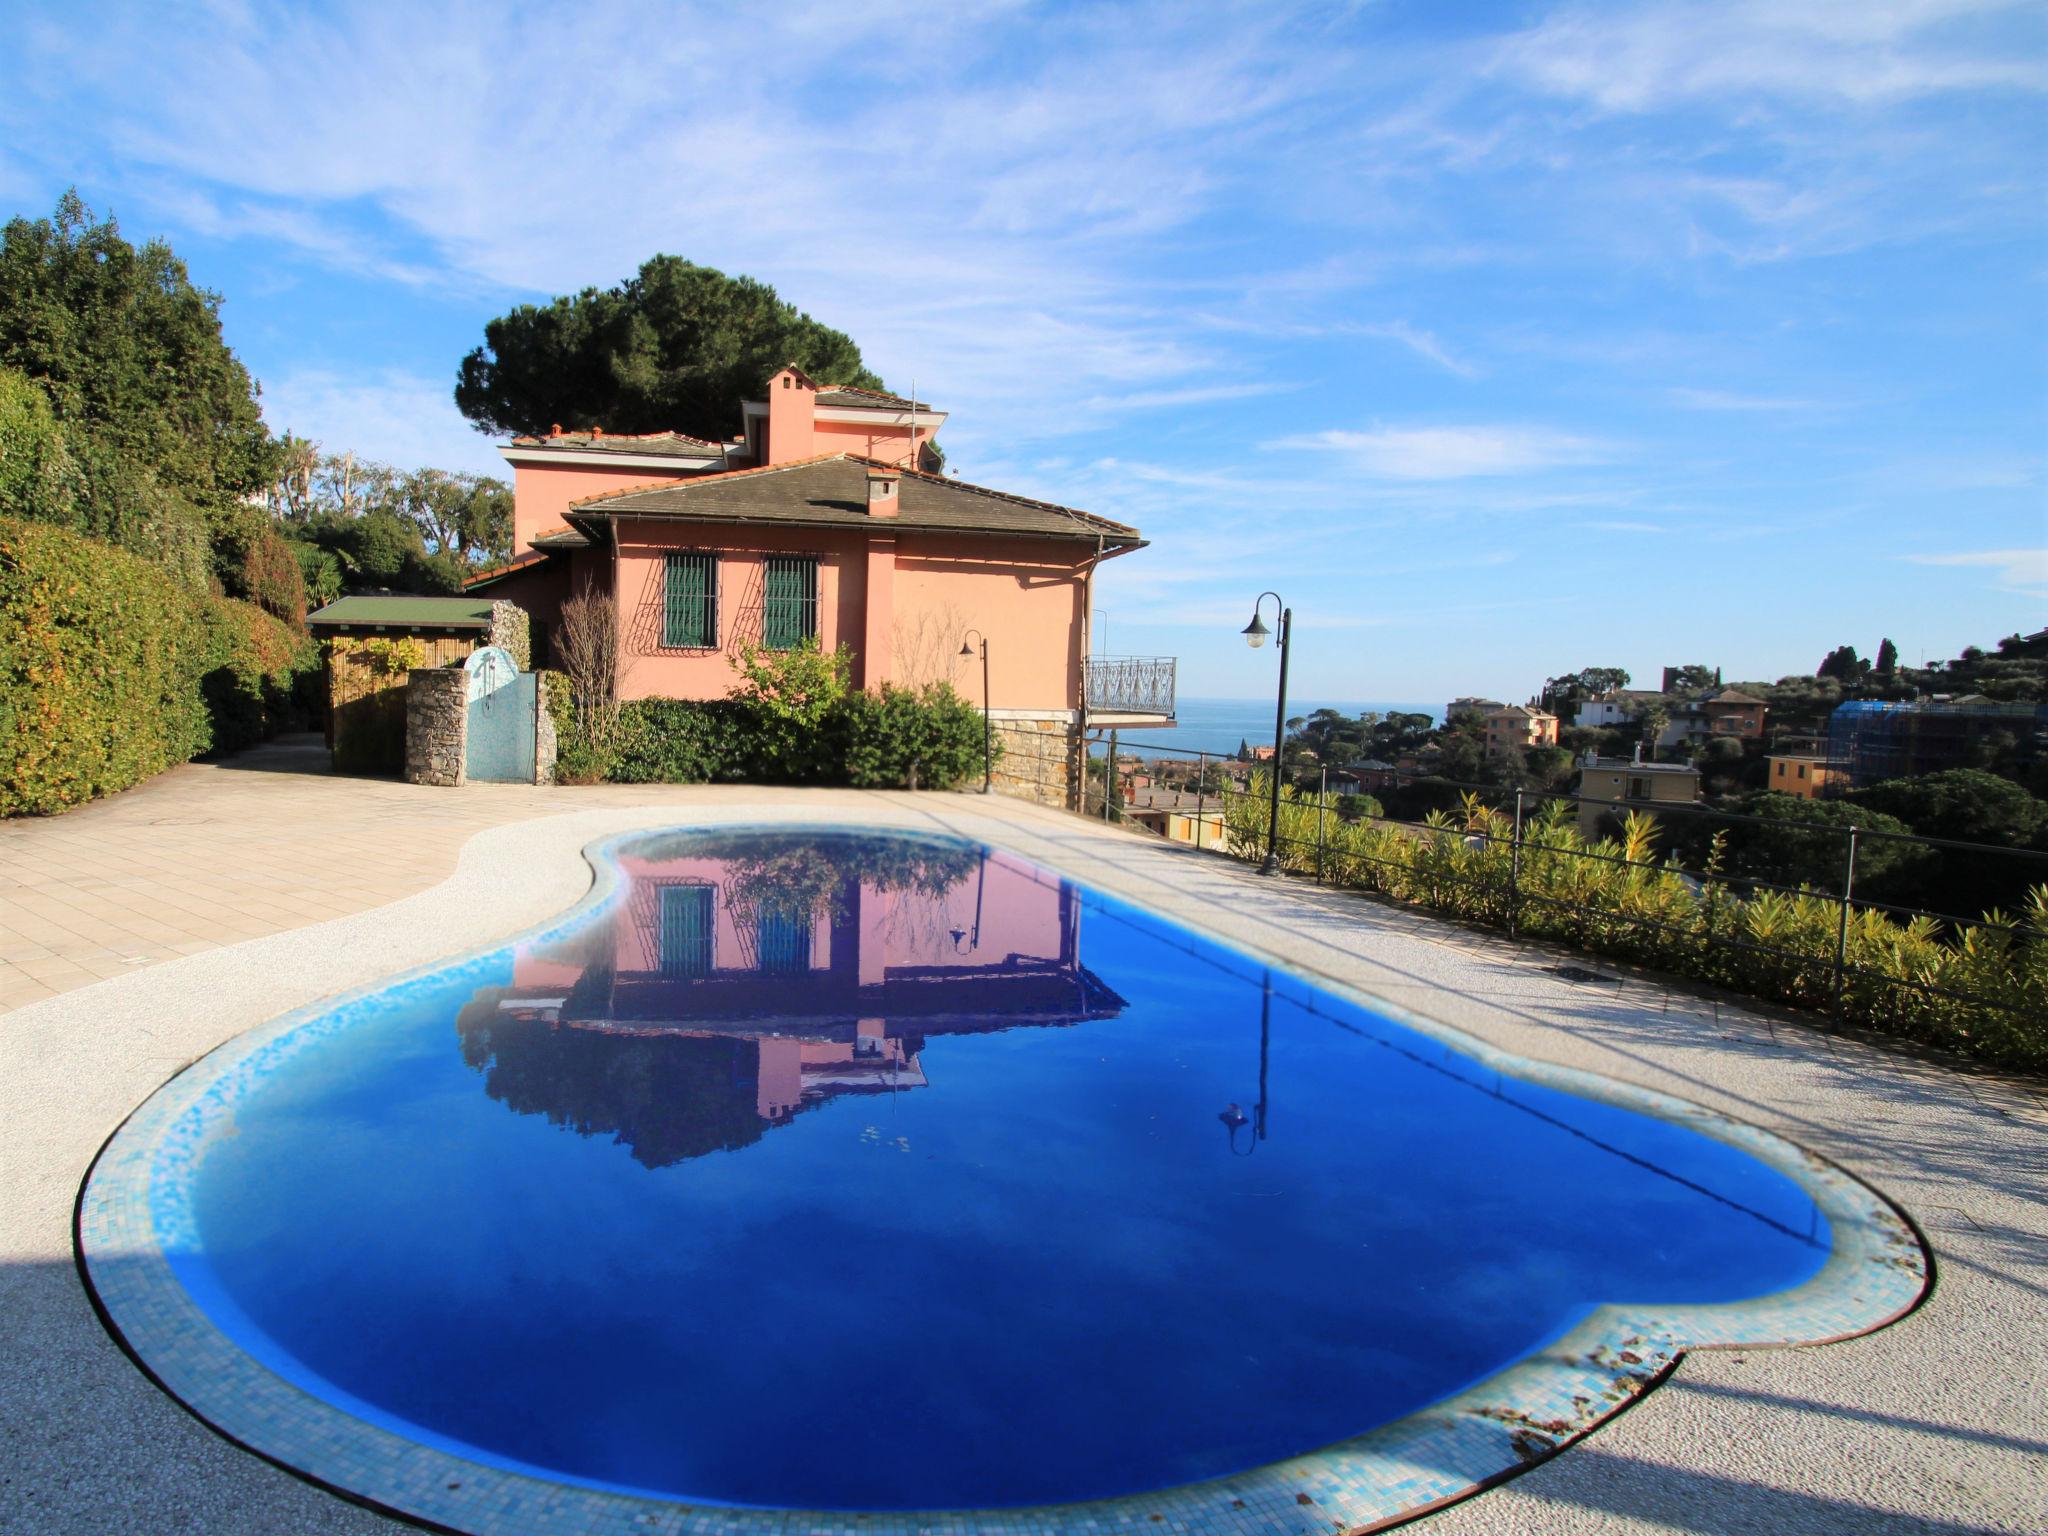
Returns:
<point x="746" y="977"/>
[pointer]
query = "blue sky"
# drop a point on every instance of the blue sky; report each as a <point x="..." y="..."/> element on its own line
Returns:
<point x="1501" y="339"/>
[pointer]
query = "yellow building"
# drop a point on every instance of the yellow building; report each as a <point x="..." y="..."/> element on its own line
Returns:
<point x="1809" y="778"/>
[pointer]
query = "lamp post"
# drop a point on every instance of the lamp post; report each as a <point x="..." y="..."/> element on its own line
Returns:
<point x="988" y="730"/>
<point x="1255" y="636"/>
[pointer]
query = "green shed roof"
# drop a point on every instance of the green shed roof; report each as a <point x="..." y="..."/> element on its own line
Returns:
<point x="402" y="612"/>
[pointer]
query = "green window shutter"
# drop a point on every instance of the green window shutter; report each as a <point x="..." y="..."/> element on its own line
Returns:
<point x="686" y="930"/>
<point x="689" y="607"/>
<point x="789" y="610"/>
<point x="783" y="942"/>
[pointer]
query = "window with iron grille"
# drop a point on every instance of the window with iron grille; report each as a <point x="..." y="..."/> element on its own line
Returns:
<point x="686" y="930"/>
<point x="783" y="942"/>
<point x="689" y="600"/>
<point x="789" y="606"/>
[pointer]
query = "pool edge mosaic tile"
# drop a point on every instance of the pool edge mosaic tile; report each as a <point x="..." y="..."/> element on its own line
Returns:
<point x="1876" y="1272"/>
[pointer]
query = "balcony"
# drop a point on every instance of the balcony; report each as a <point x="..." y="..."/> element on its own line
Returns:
<point x="1133" y="690"/>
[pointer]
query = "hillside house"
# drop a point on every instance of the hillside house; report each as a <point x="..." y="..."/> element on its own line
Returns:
<point x="1804" y="776"/>
<point x="1516" y="728"/>
<point x="816" y="522"/>
<point x="1615" y="707"/>
<point x="1610" y="787"/>
<point x="1720" y="712"/>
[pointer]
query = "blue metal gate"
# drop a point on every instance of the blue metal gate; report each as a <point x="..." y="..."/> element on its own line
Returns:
<point x="501" y="706"/>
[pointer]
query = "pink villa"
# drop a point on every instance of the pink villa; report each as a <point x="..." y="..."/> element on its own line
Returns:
<point x="817" y="521"/>
<point x="706" y="1019"/>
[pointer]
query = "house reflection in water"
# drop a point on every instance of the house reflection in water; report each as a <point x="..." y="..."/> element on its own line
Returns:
<point x="744" y="978"/>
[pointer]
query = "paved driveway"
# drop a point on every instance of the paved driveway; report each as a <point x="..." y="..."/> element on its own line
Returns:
<point x="116" y="917"/>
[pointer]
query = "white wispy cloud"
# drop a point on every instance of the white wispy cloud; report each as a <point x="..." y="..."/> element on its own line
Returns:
<point x="400" y="418"/>
<point x="1728" y="400"/>
<point x="1170" y="399"/>
<point x="1423" y="344"/>
<point x="1450" y="453"/>
<point x="2012" y="570"/>
<point x="1651" y="57"/>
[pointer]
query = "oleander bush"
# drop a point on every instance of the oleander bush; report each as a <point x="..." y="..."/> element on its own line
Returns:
<point x="1979" y="989"/>
<point x="112" y="670"/>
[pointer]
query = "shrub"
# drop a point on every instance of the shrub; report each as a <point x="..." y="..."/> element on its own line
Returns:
<point x="271" y="578"/>
<point x="112" y="670"/>
<point x="259" y="678"/>
<point x="1979" y="989"/>
<point x="681" y="741"/>
<point x="927" y="738"/>
<point x="39" y="480"/>
<point x="815" y="732"/>
<point x="794" y="704"/>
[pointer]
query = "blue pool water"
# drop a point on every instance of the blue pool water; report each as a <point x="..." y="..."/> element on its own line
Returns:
<point x="852" y="1171"/>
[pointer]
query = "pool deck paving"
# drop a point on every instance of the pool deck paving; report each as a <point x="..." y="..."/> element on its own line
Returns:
<point x="139" y="932"/>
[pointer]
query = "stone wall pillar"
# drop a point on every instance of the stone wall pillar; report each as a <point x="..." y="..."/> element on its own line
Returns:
<point x="545" y="747"/>
<point x="512" y="632"/>
<point x="1041" y="758"/>
<point x="437" y="726"/>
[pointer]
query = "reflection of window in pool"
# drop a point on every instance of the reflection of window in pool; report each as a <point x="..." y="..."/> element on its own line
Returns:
<point x="686" y="926"/>
<point x="784" y="943"/>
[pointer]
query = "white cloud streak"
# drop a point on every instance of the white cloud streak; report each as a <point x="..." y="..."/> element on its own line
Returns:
<point x="1450" y="453"/>
<point x="1862" y="52"/>
<point x="2013" y="570"/>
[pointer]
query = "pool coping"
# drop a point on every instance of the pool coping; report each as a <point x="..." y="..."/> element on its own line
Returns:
<point x="1878" y="1271"/>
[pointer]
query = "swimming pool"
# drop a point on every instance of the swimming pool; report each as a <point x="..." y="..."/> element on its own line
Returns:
<point x="831" y="1170"/>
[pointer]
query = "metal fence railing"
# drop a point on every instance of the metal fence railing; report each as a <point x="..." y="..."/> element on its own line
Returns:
<point x="1854" y="870"/>
<point x="1138" y="685"/>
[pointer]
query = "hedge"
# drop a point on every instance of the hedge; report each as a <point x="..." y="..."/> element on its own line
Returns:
<point x="111" y="670"/>
<point x="894" y="738"/>
<point x="1977" y="989"/>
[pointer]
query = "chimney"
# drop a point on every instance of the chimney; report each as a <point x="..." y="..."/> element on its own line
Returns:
<point x="884" y="486"/>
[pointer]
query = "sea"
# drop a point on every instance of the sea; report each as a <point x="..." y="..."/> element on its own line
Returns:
<point x="1218" y="725"/>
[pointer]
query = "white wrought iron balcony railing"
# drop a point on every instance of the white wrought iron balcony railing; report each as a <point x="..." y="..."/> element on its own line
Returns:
<point x="1130" y="685"/>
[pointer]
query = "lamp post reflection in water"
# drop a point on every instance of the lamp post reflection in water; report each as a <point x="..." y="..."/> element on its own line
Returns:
<point x="1235" y="1119"/>
<point x="974" y="937"/>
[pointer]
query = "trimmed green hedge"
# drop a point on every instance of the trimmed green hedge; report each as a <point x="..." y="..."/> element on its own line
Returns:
<point x="112" y="671"/>
<point x="881" y="740"/>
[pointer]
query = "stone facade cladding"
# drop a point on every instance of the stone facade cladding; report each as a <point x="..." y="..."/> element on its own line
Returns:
<point x="512" y="632"/>
<point x="1041" y="759"/>
<point x="437" y="725"/>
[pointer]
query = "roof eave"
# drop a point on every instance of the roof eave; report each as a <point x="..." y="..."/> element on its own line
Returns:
<point x="601" y="515"/>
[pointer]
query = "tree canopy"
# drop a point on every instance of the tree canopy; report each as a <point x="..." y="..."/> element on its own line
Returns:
<point x="158" y="413"/>
<point x="1844" y="665"/>
<point x="675" y="348"/>
<point x="1965" y="804"/>
<point x="352" y="522"/>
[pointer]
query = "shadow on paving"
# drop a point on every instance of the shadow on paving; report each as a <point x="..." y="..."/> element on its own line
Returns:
<point x="1679" y="1499"/>
<point x="302" y="753"/>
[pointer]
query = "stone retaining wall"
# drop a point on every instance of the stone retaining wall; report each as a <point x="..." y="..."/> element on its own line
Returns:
<point x="1041" y="760"/>
<point x="437" y="726"/>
